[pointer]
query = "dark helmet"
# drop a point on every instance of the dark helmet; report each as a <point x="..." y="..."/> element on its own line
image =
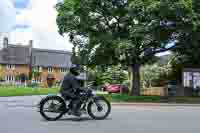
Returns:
<point x="75" y="69"/>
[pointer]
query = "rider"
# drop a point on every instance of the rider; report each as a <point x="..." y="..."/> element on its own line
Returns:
<point x="70" y="86"/>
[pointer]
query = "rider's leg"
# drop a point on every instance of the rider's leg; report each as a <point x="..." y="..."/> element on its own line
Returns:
<point x="76" y="107"/>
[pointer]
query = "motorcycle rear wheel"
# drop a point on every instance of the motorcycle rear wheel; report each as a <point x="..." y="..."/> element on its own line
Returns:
<point x="54" y="109"/>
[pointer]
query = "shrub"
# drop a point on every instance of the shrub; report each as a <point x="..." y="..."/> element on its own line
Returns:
<point x="33" y="85"/>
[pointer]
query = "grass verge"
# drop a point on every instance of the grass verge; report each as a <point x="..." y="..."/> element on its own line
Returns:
<point x="6" y="91"/>
<point x="127" y="98"/>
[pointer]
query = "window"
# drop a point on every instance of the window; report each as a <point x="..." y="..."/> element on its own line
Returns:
<point x="40" y="69"/>
<point x="37" y="69"/>
<point x="50" y="69"/>
<point x="10" y="78"/>
<point x="38" y="81"/>
<point x="34" y="59"/>
<point x="10" y="67"/>
<point x="63" y="70"/>
<point x="191" y="79"/>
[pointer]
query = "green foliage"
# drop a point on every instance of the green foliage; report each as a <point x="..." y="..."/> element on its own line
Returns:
<point x="17" y="77"/>
<point x="188" y="48"/>
<point x="126" y="32"/>
<point x="127" y="98"/>
<point x="110" y="74"/>
<point x="155" y="74"/>
<point x="33" y="85"/>
<point x="118" y="29"/>
<point x="36" y="74"/>
<point x="1" y="78"/>
<point x="21" y="77"/>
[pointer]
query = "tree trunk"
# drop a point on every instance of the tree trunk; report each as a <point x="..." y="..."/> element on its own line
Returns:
<point x="135" y="88"/>
<point x="130" y="78"/>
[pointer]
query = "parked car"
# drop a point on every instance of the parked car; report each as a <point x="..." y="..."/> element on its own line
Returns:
<point x="115" y="88"/>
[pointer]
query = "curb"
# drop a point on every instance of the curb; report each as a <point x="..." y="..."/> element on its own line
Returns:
<point x="120" y="105"/>
<point x="154" y="104"/>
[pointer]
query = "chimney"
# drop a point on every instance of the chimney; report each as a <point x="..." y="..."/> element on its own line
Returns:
<point x="31" y="43"/>
<point x="5" y="42"/>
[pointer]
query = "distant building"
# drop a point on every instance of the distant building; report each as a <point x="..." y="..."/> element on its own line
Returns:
<point x="21" y="59"/>
<point x="51" y="63"/>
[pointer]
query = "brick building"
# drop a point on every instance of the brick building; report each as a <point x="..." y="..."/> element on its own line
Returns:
<point x="24" y="59"/>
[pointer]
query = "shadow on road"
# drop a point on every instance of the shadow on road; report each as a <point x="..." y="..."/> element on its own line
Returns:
<point x="77" y="119"/>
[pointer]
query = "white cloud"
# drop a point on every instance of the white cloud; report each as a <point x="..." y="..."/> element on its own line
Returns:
<point x="41" y="16"/>
<point x="21" y="36"/>
<point x="7" y="15"/>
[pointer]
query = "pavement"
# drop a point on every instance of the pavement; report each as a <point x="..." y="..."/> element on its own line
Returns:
<point x="32" y="101"/>
<point x="19" y="115"/>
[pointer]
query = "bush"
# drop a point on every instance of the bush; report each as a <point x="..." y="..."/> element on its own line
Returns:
<point x="111" y="74"/>
<point x="127" y="98"/>
<point x="155" y="75"/>
<point x="33" y="85"/>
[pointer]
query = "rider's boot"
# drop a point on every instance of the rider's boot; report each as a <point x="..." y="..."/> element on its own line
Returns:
<point x="76" y="109"/>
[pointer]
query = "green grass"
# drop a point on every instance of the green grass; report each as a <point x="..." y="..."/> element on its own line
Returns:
<point x="186" y="100"/>
<point x="154" y="99"/>
<point x="25" y="91"/>
<point x="6" y="91"/>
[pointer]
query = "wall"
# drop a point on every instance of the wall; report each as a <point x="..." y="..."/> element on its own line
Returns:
<point x="154" y="91"/>
<point x="56" y="73"/>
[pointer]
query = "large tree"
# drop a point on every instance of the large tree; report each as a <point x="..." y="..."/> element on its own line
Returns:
<point x="125" y="31"/>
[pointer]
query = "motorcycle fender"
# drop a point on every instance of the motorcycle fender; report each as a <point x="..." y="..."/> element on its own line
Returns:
<point x="52" y="96"/>
<point x="95" y="99"/>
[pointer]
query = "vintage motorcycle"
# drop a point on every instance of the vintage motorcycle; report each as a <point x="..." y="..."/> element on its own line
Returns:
<point x="53" y="107"/>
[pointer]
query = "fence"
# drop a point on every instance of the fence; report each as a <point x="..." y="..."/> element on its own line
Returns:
<point x="154" y="91"/>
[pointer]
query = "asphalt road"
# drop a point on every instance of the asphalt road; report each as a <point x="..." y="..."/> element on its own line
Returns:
<point x="16" y="117"/>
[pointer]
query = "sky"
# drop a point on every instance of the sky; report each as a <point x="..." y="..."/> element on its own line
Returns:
<point x="26" y="20"/>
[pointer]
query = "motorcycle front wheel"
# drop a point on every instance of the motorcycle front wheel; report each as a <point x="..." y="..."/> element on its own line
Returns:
<point x="99" y="109"/>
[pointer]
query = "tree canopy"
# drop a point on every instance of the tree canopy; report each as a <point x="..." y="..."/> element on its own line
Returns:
<point x="124" y="31"/>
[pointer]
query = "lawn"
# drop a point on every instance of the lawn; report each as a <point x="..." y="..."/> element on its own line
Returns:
<point x="25" y="91"/>
<point x="6" y="91"/>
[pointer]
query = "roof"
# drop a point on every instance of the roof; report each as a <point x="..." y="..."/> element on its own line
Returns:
<point x="21" y="54"/>
<point x="15" y="54"/>
<point x="51" y="58"/>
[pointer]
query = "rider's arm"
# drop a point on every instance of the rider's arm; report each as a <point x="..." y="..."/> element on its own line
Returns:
<point x="75" y="84"/>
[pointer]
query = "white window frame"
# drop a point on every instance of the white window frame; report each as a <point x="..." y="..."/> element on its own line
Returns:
<point x="63" y="70"/>
<point x="50" y="69"/>
<point x="37" y="68"/>
<point x="10" y="67"/>
<point x="38" y="81"/>
<point x="10" y="78"/>
<point x="40" y="69"/>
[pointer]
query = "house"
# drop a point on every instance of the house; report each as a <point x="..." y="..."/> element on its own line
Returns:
<point x="40" y="63"/>
<point x="50" y="63"/>
<point x="14" y="60"/>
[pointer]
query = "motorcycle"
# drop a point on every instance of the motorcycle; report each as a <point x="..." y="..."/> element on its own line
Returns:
<point x="53" y="107"/>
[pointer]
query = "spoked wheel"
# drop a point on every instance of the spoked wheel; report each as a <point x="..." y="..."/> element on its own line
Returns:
<point x="100" y="109"/>
<point x="52" y="108"/>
